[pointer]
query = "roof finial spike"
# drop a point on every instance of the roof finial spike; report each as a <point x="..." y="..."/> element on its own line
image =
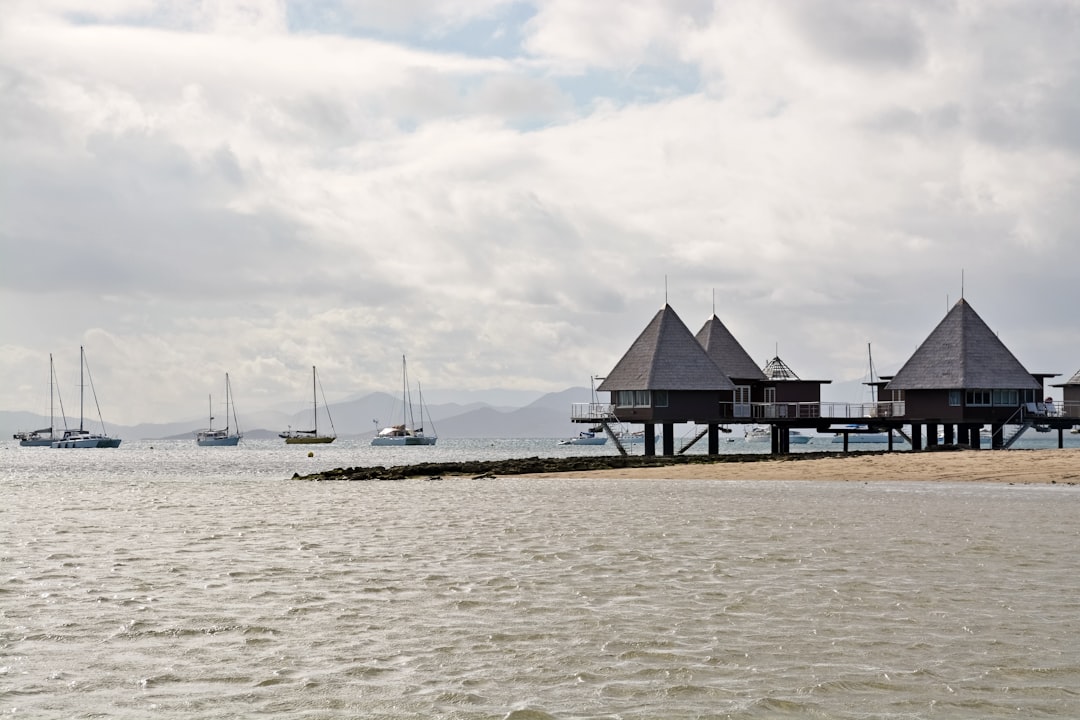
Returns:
<point x="665" y="290"/>
<point x="961" y="283"/>
<point x="714" y="302"/>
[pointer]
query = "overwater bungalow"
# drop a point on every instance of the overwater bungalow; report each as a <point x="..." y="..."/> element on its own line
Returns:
<point x="667" y="377"/>
<point x="963" y="377"/>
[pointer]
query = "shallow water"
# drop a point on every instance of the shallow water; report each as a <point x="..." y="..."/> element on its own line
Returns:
<point x="174" y="583"/>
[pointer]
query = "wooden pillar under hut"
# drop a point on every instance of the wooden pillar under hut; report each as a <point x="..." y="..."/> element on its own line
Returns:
<point x="650" y="439"/>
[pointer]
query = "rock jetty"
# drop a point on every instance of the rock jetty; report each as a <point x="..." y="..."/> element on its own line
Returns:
<point x="535" y="465"/>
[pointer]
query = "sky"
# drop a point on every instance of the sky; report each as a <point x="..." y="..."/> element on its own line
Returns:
<point x="507" y="192"/>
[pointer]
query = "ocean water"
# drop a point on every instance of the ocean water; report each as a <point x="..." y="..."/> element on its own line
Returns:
<point x="162" y="580"/>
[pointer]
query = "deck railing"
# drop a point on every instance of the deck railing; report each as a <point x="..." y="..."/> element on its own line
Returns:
<point x="752" y="412"/>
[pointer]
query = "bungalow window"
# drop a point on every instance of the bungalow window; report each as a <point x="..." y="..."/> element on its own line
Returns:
<point x="1008" y="398"/>
<point x="954" y="398"/>
<point x="979" y="398"/>
<point x="636" y="398"/>
<point x="660" y="398"/>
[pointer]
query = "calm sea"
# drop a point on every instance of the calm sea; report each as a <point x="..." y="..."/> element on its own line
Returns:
<point x="162" y="580"/>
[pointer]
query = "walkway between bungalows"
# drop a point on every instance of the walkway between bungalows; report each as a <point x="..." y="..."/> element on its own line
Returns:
<point x="844" y="419"/>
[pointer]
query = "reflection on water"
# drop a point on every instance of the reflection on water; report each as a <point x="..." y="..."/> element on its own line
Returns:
<point x="170" y="583"/>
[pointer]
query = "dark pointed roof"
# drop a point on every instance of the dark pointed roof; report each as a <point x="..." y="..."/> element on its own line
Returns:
<point x="726" y="351"/>
<point x="962" y="353"/>
<point x="777" y="369"/>
<point x="1074" y="380"/>
<point x="666" y="356"/>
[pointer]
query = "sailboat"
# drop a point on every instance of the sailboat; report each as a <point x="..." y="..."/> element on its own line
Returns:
<point x="45" y="436"/>
<point x="861" y="433"/>
<point x="407" y="433"/>
<point x="83" y="438"/>
<point x="221" y="437"/>
<point x="311" y="437"/>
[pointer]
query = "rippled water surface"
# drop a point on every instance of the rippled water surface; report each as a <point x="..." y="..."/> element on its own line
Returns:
<point x="171" y="583"/>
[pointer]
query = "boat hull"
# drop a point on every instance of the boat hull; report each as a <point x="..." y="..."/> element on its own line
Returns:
<point x="36" y="442"/>
<point x="584" y="441"/>
<point x="229" y="441"/>
<point x="313" y="440"/>
<point x="407" y="440"/>
<point x="93" y="441"/>
<point x="866" y="439"/>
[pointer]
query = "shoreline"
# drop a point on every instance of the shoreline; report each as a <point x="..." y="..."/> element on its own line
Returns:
<point x="1043" y="466"/>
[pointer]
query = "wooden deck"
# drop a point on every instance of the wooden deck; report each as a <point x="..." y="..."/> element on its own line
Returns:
<point x="855" y="418"/>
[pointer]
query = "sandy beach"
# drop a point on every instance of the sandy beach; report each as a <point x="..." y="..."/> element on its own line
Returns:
<point x="1006" y="466"/>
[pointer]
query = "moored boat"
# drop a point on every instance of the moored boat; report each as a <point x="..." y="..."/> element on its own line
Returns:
<point x="585" y="437"/>
<point x="762" y="433"/>
<point x="42" y="437"/>
<point x="405" y="433"/>
<point x="83" y="438"/>
<point x="311" y="437"/>
<point x="222" y="437"/>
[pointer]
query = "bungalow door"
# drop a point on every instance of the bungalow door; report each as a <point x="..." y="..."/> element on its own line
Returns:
<point x="742" y="401"/>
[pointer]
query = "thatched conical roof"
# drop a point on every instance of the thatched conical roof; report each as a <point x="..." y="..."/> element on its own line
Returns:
<point x="666" y="356"/>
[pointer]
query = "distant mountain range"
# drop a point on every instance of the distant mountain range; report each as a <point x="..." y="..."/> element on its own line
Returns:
<point x="547" y="416"/>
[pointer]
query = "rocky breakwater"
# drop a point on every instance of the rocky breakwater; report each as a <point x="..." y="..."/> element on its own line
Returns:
<point x="535" y="465"/>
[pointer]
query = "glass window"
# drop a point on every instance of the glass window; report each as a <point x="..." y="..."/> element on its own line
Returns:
<point x="641" y="398"/>
<point x="660" y="398"/>
<point x="1008" y="398"/>
<point x="979" y="398"/>
<point x="954" y="398"/>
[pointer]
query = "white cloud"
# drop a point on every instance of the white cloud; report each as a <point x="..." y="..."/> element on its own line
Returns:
<point x="192" y="188"/>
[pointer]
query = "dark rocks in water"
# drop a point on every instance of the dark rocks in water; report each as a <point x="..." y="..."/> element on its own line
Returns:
<point x="487" y="469"/>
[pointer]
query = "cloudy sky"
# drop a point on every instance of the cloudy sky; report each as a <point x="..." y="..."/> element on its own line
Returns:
<point x="506" y="191"/>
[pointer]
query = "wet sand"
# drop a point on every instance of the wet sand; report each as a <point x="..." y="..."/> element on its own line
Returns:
<point x="1005" y="466"/>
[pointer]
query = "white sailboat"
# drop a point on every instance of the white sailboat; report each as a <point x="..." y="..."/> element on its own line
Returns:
<point x="223" y="437"/>
<point x="861" y="433"/>
<point x="312" y="437"/>
<point x="43" y="437"/>
<point x="83" y="438"/>
<point x="407" y="432"/>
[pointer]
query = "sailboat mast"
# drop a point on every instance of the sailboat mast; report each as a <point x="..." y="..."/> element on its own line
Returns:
<point x="52" y="414"/>
<point x="406" y="406"/>
<point x="226" y="404"/>
<point x="314" y="403"/>
<point x="210" y="408"/>
<point x="873" y="385"/>
<point x="82" y="386"/>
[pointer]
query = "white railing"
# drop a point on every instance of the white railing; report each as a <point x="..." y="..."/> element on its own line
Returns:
<point x="593" y="412"/>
